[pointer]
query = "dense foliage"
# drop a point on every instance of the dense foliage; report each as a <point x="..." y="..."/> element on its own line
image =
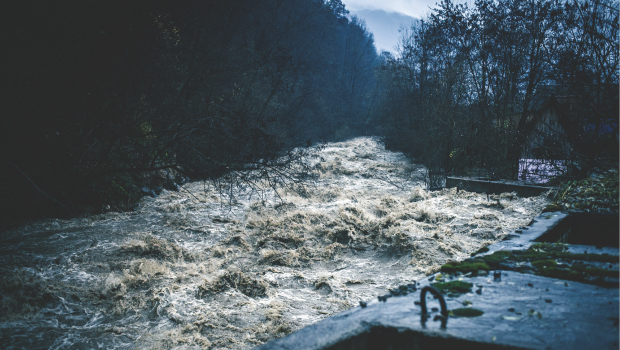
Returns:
<point x="593" y="194"/>
<point x="104" y="97"/>
<point x="472" y="82"/>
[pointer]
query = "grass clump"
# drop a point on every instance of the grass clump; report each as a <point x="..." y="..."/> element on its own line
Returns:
<point x="454" y="287"/>
<point x="466" y="312"/>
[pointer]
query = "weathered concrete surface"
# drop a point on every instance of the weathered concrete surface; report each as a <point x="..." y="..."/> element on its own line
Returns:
<point x="549" y="314"/>
<point x="494" y="187"/>
<point x="524" y="237"/>
<point x="520" y="311"/>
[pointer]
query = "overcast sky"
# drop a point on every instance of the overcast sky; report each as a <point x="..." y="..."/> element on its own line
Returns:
<point x="413" y="8"/>
<point x="384" y="17"/>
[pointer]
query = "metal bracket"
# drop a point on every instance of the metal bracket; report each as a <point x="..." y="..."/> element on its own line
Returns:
<point x="444" y="309"/>
<point x="435" y="292"/>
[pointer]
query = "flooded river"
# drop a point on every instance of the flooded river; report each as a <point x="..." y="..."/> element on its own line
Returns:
<point x="189" y="271"/>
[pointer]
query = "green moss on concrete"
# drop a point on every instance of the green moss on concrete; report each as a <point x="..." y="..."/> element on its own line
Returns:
<point x="535" y="254"/>
<point x="494" y="260"/>
<point x="540" y="264"/>
<point x="606" y="258"/>
<point x="563" y="274"/>
<point x="453" y="287"/>
<point x="551" y="260"/>
<point x="465" y="267"/>
<point x="595" y="271"/>
<point x="549" y="247"/>
<point x="466" y="312"/>
<point x="481" y="250"/>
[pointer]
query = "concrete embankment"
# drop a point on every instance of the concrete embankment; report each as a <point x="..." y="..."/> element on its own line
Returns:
<point x="516" y="294"/>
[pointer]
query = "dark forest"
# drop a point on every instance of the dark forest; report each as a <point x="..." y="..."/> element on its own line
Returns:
<point x="236" y="174"/>
<point x="469" y="93"/>
<point x="105" y="98"/>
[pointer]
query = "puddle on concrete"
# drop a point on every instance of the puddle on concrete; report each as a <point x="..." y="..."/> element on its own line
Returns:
<point x="189" y="271"/>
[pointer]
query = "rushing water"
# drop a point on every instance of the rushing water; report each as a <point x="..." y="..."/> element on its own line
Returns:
<point x="187" y="271"/>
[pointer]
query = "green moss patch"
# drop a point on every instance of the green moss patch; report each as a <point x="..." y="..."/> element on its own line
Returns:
<point x="540" y="264"/>
<point x="481" y="250"/>
<point x="453" y="287"/>
<point x="594" y="271"/>
<point x="465" y="267"/>
<point x="466" y="312"/>
<point x="550" y="260"/>
<point x="533" y="254"/>
<point x="496" y="259"/>
<point x="549" y="247"/>
<point x="580" y="273"/>
<point x="563" y="274"/>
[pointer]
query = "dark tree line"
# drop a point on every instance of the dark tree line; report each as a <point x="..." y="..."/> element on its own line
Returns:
<point x="464" y="94"/>
<point x="104" y="97"/>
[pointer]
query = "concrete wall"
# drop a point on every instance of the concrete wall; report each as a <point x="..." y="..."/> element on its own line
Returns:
<point x="494" y="187"/>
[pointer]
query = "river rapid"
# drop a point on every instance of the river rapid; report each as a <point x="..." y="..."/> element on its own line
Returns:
<point x="188" y="270"/>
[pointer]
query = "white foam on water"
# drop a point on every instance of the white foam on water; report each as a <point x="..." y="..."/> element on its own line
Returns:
<point x="188" y="270"/>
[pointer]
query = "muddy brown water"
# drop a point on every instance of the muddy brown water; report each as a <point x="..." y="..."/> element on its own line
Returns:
<point x="189" y="271"/>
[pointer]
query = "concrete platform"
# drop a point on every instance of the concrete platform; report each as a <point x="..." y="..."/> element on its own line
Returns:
<point x="524" y="237"/>
<point x="495" y="187"/>
<point x="549" y="314"/>
<point x="520" y="311"/>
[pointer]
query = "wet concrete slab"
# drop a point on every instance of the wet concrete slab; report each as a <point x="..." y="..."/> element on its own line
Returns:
<point x="495" y="187"/>
<point x="519" y="311"/>
<point x="525" y="236"/>
<point x="588" y="249"/>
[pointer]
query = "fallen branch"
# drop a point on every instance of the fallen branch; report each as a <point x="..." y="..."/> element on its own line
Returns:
<point x="37" y="187"/>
